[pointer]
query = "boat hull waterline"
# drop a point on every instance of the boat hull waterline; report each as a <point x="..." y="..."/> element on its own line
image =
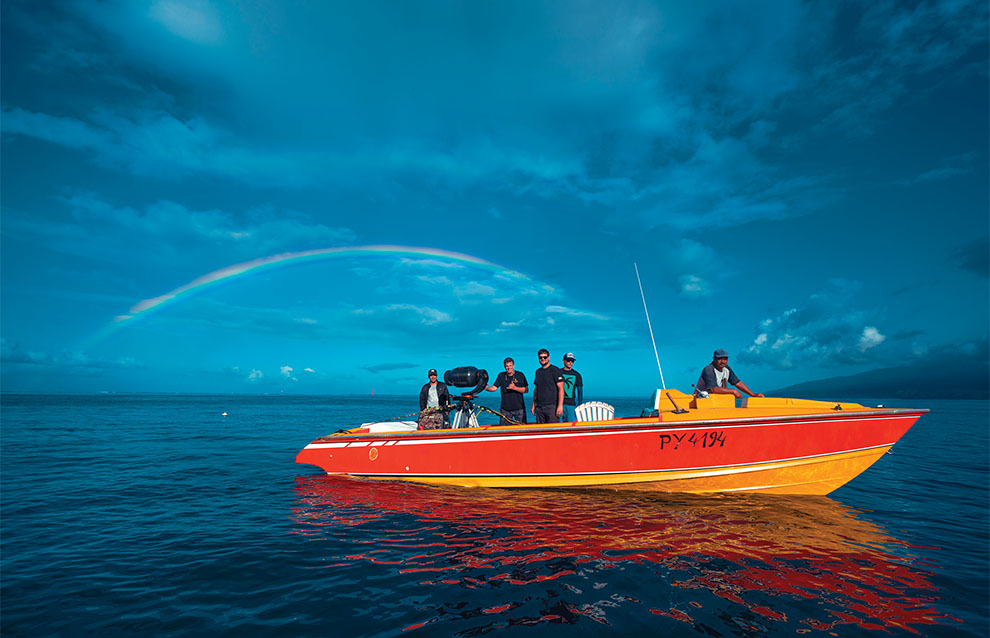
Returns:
<point x="770" y="453"/>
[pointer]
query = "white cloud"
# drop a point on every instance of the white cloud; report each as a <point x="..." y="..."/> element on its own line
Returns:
<point x="572" y="312"/>
<point x="436" y="280"/>
<point x="190" y="19"/>
<point x="255" y="375"/>
<point x="286" y="371"/>
<point x="871" y="338"/>
<point x="694" y="286"/>
<point x="169" y="231"/>
<point x="74" y="362"/>
<point x="410" y="262"/>
<point x="818" y="332"/>
<point x="473" y="288"/>
<point x="428" y="316"/>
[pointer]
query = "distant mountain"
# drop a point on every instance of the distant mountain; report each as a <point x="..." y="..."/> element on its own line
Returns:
<point x="930" y="380"/>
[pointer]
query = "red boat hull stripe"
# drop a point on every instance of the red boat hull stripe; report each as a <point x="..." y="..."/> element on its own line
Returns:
<point x="720" y="469"/>
<point x="481" y="437"/>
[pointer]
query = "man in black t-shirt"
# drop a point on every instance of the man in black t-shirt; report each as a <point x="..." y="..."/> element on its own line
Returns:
<point x="513" y="385"/>
<point x="548" y="397"/>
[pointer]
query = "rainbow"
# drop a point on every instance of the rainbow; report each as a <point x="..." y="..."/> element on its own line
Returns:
<point x="283" y="259"/>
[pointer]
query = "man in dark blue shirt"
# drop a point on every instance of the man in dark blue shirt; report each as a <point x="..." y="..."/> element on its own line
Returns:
<point x="717" y="376"/>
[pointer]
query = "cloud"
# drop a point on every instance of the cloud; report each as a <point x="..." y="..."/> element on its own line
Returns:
<point x="508" y="325"/>
<point x="286" y="371"/>
<point x="171" y="232"/>
<point x="690" y="268"/>
<point x="870" y="338"/>
<point x="255" y="375"/>
<point x="156" y="143"/>
<point x="462" y="289"/>
<point x="949" y="167"/>
<point x="190" y="19"/>
<point x="853" y="85"/>
<point x="974" y="256"/>
<point x="14" y="357"/>
<point x="359" y="315"/>
<point x="620" y="109"/>
<point x="694" y="286"/>
<point x="391" y="367"/>
<point x="819" y="333"/>
<point x="573" y="312"/>
<point x="148" y="143"/>
<point x="454" y="285"/>
<point x="415" y="304"/>
<point x="427" y="316"/>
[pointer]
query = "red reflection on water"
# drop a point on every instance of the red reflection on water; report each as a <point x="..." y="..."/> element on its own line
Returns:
<point x="751" y="550"/>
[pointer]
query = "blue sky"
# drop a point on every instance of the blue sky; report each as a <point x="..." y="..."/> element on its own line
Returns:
<point x="804" y="185"/>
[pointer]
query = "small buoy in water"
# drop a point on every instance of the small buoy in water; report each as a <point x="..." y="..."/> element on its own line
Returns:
<point x="224" y="414"/>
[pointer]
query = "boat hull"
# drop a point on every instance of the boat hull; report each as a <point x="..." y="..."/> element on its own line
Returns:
<point x="771" y="453"/>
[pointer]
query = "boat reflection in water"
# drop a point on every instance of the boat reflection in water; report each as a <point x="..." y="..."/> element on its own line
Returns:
<point x="724" y="564"/>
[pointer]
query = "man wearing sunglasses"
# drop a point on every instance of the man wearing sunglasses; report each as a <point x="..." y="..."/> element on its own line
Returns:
<point x="548" y="397"/>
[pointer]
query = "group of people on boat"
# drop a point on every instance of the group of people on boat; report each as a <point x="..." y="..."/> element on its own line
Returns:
<point x="557" y="391"/>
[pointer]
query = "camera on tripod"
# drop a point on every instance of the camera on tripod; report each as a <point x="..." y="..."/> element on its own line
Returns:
<point x="465" y="414"/>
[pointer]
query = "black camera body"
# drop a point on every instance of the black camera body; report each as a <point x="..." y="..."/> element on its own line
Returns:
<point x="467" y="377"/>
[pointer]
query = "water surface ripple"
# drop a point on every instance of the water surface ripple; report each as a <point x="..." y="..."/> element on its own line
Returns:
<point x="155" y="515"/>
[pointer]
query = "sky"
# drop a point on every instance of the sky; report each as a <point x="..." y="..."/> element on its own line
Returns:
<point x="331" y="197"/>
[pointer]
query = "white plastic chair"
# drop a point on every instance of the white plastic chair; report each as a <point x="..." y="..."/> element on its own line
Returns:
<point x="594" y="411"/>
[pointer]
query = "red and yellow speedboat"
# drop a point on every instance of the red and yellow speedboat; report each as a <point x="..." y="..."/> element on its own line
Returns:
<point x="772" y="445"/>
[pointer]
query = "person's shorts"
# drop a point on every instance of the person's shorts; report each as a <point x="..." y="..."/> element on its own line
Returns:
<point x="546" y="414"/>
<point x="519" y="416"/>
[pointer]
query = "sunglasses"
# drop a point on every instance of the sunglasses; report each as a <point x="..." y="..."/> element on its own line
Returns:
<point x="543" y="356"/>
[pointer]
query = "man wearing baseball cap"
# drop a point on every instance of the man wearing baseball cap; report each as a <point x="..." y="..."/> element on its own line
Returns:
<point x="717" y="376"/>
<point x="434" y="402"/>
<point x="573" y="388"/>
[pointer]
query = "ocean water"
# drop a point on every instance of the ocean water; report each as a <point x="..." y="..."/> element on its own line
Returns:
<point x="155" y="515"/>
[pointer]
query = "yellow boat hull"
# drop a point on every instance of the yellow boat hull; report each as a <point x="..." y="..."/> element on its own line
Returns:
<point x="814" y="476"/>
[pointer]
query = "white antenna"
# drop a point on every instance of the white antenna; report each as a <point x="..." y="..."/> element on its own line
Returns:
<point x="663" y="386"/>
